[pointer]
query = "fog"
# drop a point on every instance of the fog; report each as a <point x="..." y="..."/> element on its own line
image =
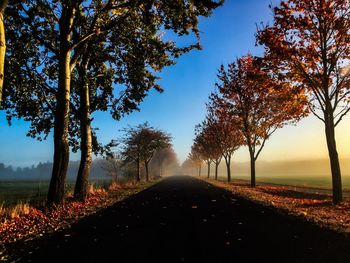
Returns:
<point x="295" y="168"/>
<point x="311" y="173"/>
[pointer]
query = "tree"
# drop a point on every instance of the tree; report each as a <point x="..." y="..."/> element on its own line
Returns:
<point x="152" y="141"/>
<point x="203" y="146"/>
<point x="206" y="139"/>
<point x="260" y="103"/>
<point x="225" y="130"/>
<point x="308" y="45"/>
<point x="55" y="29"/>
<point x="140" y="144"/>
<point x="196" y="158"/>
<point x="212" y="131"/>
<point x="104" y="62"/>
<point x="113" y="166"/>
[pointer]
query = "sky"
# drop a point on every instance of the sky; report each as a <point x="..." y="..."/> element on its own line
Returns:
<point x="226" y="35"/>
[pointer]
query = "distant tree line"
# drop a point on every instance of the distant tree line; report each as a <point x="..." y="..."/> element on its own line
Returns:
<point x="164" y="162"/>
<point x="67" y="59"/>
<point x="42" y="171"/>
<point x="305" y="69"/>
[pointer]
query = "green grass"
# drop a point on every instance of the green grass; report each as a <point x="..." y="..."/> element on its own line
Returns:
<point x="13" y="192"/>
<point x="324" y="182"/>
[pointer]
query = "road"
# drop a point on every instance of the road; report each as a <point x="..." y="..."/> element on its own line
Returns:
<point x="183" y="219"/>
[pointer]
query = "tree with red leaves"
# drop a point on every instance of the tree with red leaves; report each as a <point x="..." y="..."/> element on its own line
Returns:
<point x="259" y="103"/>
<point x="308" y="45"/>
<point x="207" y="133"/>
<point x="205" y="144"/>
<point x="224" y="129"/>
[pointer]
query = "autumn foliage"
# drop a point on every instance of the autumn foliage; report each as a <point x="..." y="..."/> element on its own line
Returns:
<point x="249" y="106"/>
<point x="308" y="46"/>
<point x="258" y="102"/>
<point x="305" y="69"/>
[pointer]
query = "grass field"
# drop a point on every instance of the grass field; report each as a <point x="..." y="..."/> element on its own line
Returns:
<point x="13" y="192"/>
<point x="314" y="181"/>
<point x="312" y="184"/>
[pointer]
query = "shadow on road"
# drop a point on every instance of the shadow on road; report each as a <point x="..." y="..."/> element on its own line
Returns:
<point x="183" y="219"/>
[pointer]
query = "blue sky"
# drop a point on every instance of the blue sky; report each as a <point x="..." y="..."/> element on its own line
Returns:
<point x="227" y="34"/>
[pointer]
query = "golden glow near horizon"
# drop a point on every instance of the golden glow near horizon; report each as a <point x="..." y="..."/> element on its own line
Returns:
<point x="304" y="141"/>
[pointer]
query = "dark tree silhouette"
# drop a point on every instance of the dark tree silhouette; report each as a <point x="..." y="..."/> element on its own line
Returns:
<point x="56" y="35"/>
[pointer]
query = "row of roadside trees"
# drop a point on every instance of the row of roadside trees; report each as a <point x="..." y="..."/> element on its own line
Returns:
<point x="67" y="59"/>
<point x="305" y="69"/>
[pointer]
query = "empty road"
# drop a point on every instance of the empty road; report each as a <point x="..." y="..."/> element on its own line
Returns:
<point x="183" y="219"/>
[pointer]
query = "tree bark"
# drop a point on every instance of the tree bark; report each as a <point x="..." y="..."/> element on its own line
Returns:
<point x="252" y="168"/>
<point x="216" y="170"/>
<point x="334" y="159"/>
<point x="3" y="5"/>
<point x="147" y="174"/>
<point x="61" y="122"/>
<point x="208" y="163"/>
<point x="82" y="182"/>
<point x="199" y="170"/>
<point x="138" y="177"/>
<point x="228" y="168"/>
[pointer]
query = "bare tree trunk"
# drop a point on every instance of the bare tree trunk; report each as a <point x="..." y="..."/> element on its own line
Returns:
<point x="252" y="168"/>
<point x="208" y="163"/>
<point x="199" y="170"/>
<point x="3" y="5"/>
<point x="147" y="172"/>
<point x="334" y="160"/>
<point x="228" y="168"/>
<point x="216" y="170"/>
<point x="61" y="146"/>
<point x="138" y="177"/>
<point x="82" y="182"/>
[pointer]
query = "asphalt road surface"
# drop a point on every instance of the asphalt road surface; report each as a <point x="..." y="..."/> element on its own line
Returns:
<point x="183" y="219"/>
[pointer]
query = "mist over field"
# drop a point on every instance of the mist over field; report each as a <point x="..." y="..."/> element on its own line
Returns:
<point x="299" y="168"/>
<point x="310" y="170"/>
<point x="311" y="173"/>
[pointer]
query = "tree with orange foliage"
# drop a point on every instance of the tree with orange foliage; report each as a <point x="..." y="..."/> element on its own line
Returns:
<point x="308" y="45"/>
<point x="259" y="103"/>
<point x="212" y="131"/>
<point x="202" y="146"/>
<point x="207" y="131"/>
<point x="224" y="129"/>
